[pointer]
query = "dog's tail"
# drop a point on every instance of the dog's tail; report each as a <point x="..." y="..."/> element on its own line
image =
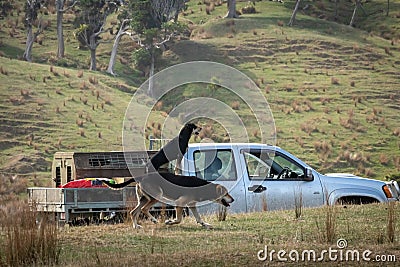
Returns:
<point x="119" y="186"/>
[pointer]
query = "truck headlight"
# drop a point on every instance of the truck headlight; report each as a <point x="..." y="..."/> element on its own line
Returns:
<point x="387" y="191"/>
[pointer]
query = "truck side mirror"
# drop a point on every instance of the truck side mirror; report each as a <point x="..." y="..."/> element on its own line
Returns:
<point x="308" y="175"/>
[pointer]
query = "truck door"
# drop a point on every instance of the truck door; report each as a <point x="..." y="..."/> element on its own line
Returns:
<point x="219" y="166"/>
<point x="276" y="181"/>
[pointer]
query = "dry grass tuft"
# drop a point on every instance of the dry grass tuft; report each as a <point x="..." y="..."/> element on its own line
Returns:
<point x="3" y="71"/>
<point x="235" y="105"/>
<point x="335" y="81"/>
<point x="383" y="159"/>
<point x="391" y="222"/>
<point x="79" y="123"/>
<point x="222" y="213"/>
<point x="80" y="74"/>
<point x="396" y="132"/>
<point x="29" y="240"/>
<point x="52" y="70"/>
<point x="93" y="80"/>
<point x="84" y="86"/>
<point x="298" y="203"/>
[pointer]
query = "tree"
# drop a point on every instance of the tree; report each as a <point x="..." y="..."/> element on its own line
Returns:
<point x="61" y="9"/>
<point x="153" y="22"/>
<point x="165" y="11"/>
<point x="32" y="8"/>
<point x="387" y="9"/>
<point x="91" y="22"/>
<point x="123" y="30"/>
<point x="293" y="17"/>
<point x="5" y="7"/>
<point x="231" y="9"/>
<point x="356" y="6"/>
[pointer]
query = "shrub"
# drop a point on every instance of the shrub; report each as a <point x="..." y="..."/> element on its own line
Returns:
<point x="249" y="9"/>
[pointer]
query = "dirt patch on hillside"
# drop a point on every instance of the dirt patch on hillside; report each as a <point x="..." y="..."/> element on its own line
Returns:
<point x="22" y="164"/>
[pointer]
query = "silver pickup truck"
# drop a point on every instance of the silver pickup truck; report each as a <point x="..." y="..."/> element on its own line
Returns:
<point x="262" y="177"/>
<point x="259" y="177"/>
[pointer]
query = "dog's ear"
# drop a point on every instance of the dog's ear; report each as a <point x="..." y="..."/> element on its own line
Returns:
<point x="221" y="190"/>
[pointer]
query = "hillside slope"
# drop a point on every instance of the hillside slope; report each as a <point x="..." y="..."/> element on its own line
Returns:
<point x="46" y="109"/>
<point x="334" y="90"/>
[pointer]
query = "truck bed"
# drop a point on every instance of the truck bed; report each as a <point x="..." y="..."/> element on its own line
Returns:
<point x="71" y="202"/>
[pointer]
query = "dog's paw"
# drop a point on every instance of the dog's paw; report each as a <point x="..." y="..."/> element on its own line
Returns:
<point x="169" y="222"/>
<point x="206" y="225"/>
<point x="137" y="226"/>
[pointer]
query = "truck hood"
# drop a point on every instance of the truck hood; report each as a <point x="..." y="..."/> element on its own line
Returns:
<point x="335" y="181"/>
<point x="345" y="180"/>
<point x="343" y="175"/>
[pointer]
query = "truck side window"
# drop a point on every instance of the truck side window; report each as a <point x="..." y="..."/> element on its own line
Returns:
<point x="258" y="164"/>
<point x="214" y="165"/>
<point x="284" y="168"/>
<point x="262" y="165"/>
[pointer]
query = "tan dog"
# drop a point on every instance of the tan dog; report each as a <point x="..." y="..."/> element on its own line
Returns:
<point x="181" y="191"/>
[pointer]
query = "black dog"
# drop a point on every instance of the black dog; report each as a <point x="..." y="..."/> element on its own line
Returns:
<point x="174" y="149"/>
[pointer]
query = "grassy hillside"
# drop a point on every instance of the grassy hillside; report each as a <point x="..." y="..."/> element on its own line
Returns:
<point x="334" y="90"/>
<point x="47" y="109"/>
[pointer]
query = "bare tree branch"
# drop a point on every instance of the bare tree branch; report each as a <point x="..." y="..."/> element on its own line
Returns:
<point x="74" y="3"/>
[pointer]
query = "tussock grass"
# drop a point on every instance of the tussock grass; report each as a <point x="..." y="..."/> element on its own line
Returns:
<point x="391" y="222"/>
<point x="298" y="203"/>
<point x="27" y="239"/>
<point x="233" y="242"/>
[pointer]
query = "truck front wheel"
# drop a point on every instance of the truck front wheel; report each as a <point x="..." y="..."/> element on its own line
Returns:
<point x="356" y="200"/>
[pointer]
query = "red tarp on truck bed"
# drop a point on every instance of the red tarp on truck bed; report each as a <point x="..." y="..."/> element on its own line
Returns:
<point x="85" y="183"/>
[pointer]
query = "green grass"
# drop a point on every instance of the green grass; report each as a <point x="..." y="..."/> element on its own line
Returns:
<point x="50" y="109"/>
<point x="234" y="242"/>
<point x="328" y="85"/>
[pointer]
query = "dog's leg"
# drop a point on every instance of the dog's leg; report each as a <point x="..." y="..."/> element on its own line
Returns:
<point x="178" y="218"/>
<point x="136" y="211"/>
<point x="146" y="208"/>
<point x="178" y="162"/>
<point x="198" y="219"/>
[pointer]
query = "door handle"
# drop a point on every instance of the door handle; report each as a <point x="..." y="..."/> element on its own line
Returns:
<point x="257" y="188"/>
